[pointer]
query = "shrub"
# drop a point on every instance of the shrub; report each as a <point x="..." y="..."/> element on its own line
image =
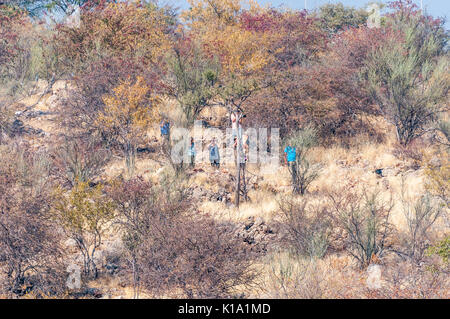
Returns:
<point x="304" y="171"/>
<point x="80" y="159"/>
<point x="442" y="249"/>
<point x="364" y="219"/>
<point x="5" y="118"/>
<point x="444" y="127"/>
<point x="30" y="251"/>
<point x="137" y="203"/>
<point x="408" y="281"/>
<point x="85" y="214"/>
<point x="437" y="172"/>
<point x="197" y="257"/>
<point x="420" y="217"/>
<point x="337" y="17"/>
<point x="308" y="227"/>
<point x="293" y="277"/>
<point x="407" y="76"/>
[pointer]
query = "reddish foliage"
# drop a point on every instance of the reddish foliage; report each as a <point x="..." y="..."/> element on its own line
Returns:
<point x="12" y="23"/>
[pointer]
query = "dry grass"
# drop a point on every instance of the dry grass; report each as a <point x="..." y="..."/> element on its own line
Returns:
<point x="145" y="167"/>
<point x="263" y="205"/>
<point x="286" y="275"/>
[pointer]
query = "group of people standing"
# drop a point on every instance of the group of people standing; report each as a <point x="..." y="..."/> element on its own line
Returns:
<point x="290" y="153"/>
<point x="213" y="147"/>
<point x="214" y="154"/>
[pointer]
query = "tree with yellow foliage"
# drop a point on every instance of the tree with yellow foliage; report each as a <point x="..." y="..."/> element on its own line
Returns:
<point x="84" y="214"/>
<point x="127" y="114"/>
<point x="217" y="24"/>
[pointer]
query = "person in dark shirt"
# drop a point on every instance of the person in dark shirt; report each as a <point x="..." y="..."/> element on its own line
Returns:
<point x="192" y="152"/>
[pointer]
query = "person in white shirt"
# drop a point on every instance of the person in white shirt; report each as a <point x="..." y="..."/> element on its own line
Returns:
<point x="234" y="124"/>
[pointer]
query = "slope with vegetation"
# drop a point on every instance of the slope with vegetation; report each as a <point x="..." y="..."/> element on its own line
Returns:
<point x="88" y="187"/>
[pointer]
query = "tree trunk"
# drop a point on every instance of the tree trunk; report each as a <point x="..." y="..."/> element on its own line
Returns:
<point x="238" y="161"/>
<point x="130" y="158"/>
<point x="238" y="176"/>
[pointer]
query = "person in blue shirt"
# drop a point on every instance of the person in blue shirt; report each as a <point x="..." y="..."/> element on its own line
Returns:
<point x="290" y="159"/>
<point x="165" y="134"/>
<point x="165" y="128"/>
<point x="290" y="154"/>
<point x="214" y="156"/>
